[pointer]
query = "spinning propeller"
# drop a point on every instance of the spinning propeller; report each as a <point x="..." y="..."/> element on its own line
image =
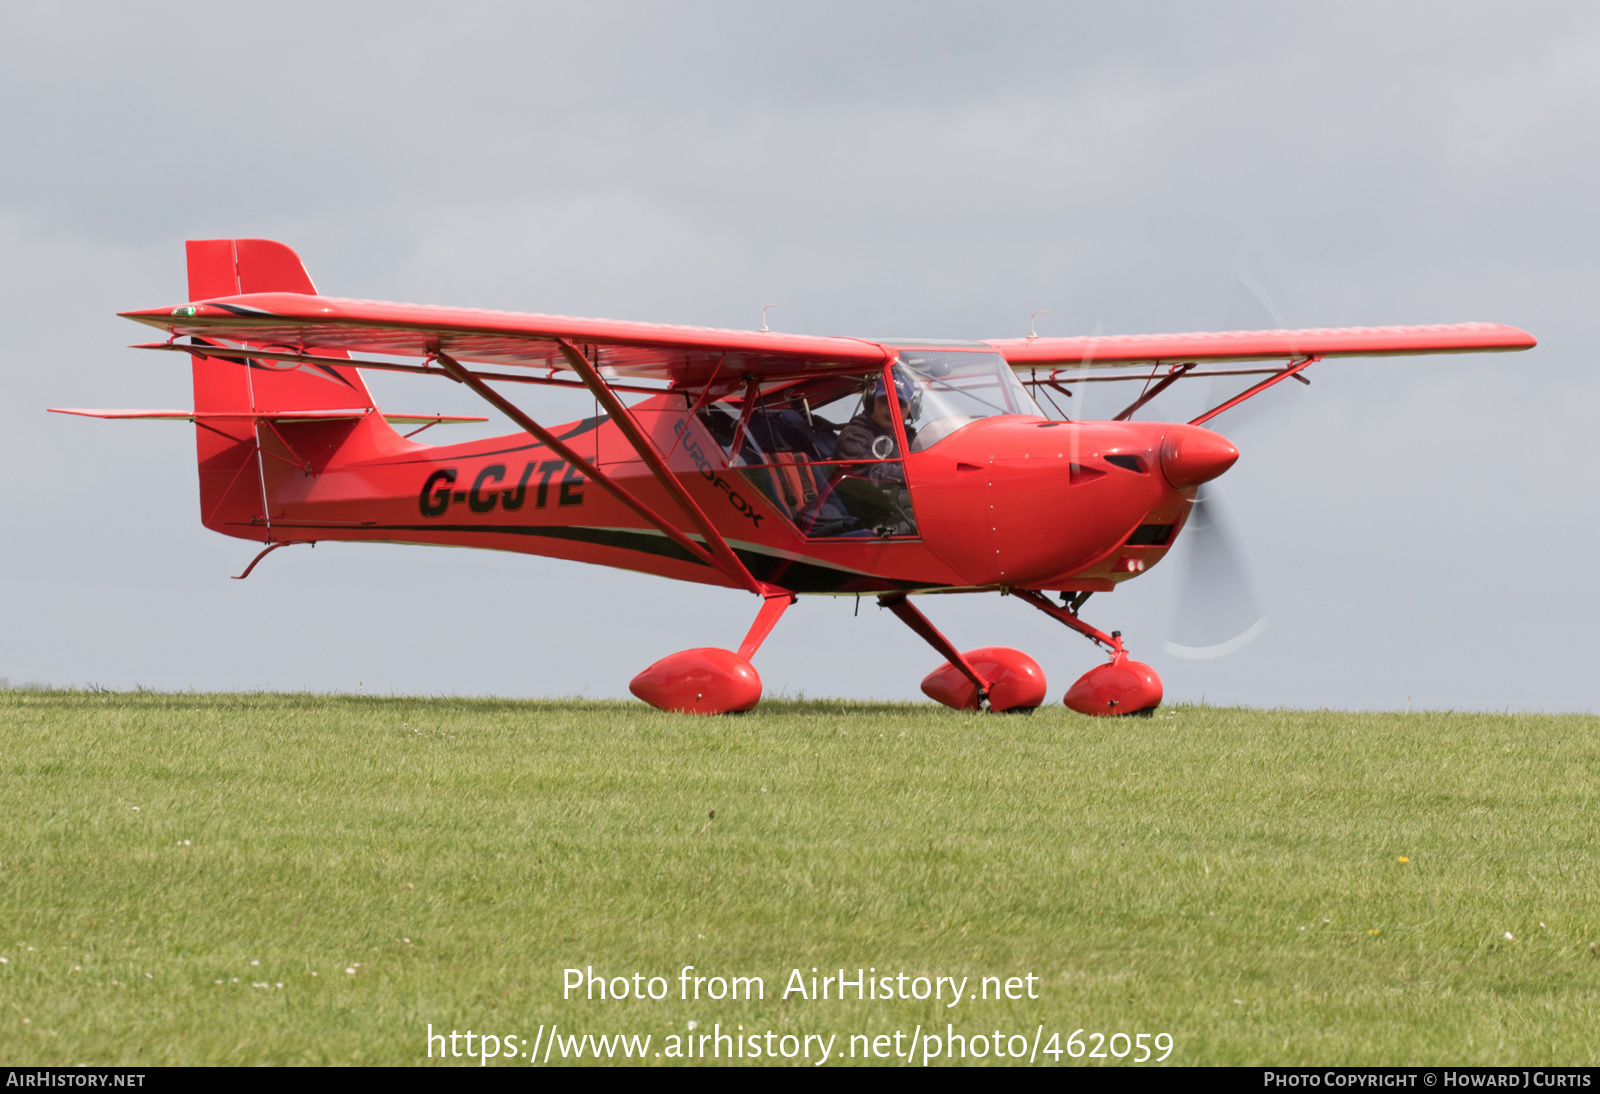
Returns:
<point x="1218" y="611"/>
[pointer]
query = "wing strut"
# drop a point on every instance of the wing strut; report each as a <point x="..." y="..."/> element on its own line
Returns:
<point x="728" y="562"/>
<point x="1172" y="376"/>
<point x="752" y="393"/>
<point x="1293" y="369"/>
<point x="556" y="445"/>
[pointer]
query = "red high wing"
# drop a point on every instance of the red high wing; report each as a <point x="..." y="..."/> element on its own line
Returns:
<point x="660" y="351"/>
<point x="1258" y="345"/>
<point x="689" y="355"/>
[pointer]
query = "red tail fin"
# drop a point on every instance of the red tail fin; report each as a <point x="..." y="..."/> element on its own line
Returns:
<point x="233" y="482"/>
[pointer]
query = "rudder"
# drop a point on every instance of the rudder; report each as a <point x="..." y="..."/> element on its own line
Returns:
<point x="233" y="481"/>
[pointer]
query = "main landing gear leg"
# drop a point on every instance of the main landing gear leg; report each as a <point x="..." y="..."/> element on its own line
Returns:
<point x="773" y="605"/>
<point x="994" y="678"/>
<point x="1122" y="686"/>
<point x="709" y="680"/>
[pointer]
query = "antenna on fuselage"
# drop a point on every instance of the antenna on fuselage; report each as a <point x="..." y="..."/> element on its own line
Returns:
<point x="1031" y="318"/>
<point x="764" y="328"/>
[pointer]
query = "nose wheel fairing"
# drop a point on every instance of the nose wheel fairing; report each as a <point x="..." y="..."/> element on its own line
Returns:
<point x="1121" y="686"/>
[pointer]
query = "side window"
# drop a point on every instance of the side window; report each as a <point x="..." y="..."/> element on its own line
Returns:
<point x="825" y="452"/>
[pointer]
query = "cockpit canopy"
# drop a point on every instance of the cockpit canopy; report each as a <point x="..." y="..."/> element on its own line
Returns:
<point x="823" y="449"/>
<point x="953" y="388"/>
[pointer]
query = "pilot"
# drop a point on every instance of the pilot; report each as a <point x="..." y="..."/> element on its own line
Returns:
<point x="870" y="434"/>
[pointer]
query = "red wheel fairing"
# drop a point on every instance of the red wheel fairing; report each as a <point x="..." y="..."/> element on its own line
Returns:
<point x="699" y="681"/>
<point x="1018" y="681"/>
<point x="1121" y="686"/>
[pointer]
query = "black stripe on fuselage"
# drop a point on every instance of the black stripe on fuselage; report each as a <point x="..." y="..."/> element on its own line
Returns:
<point x="800" y="577"/>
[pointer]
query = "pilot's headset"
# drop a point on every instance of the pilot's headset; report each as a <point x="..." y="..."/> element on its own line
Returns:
<point x="906" y="389"/>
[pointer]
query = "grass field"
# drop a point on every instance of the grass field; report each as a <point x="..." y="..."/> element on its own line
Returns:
<point x="1264" y="886"/>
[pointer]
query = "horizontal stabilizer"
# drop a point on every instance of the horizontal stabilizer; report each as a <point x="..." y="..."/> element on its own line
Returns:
<point x="274" y="416"/>
<point x="418" y="419"/>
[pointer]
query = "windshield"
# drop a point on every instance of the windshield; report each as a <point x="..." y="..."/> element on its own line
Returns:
<point x="955" y="388"/>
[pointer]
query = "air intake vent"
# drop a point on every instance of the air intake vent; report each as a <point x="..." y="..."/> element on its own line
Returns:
<point x="1150" y="535"/>
<point x="1128" y="463"/>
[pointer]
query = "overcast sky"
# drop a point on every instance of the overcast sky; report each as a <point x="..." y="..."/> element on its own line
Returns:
<point x="1419" y="529"/>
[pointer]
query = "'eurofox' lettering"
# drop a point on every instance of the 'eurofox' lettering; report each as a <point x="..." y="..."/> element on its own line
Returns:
<point x="437" y="494"/>
<point x="692" y="447"/>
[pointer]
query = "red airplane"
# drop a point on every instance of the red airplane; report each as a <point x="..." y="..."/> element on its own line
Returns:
<point x="776" y="463"/>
